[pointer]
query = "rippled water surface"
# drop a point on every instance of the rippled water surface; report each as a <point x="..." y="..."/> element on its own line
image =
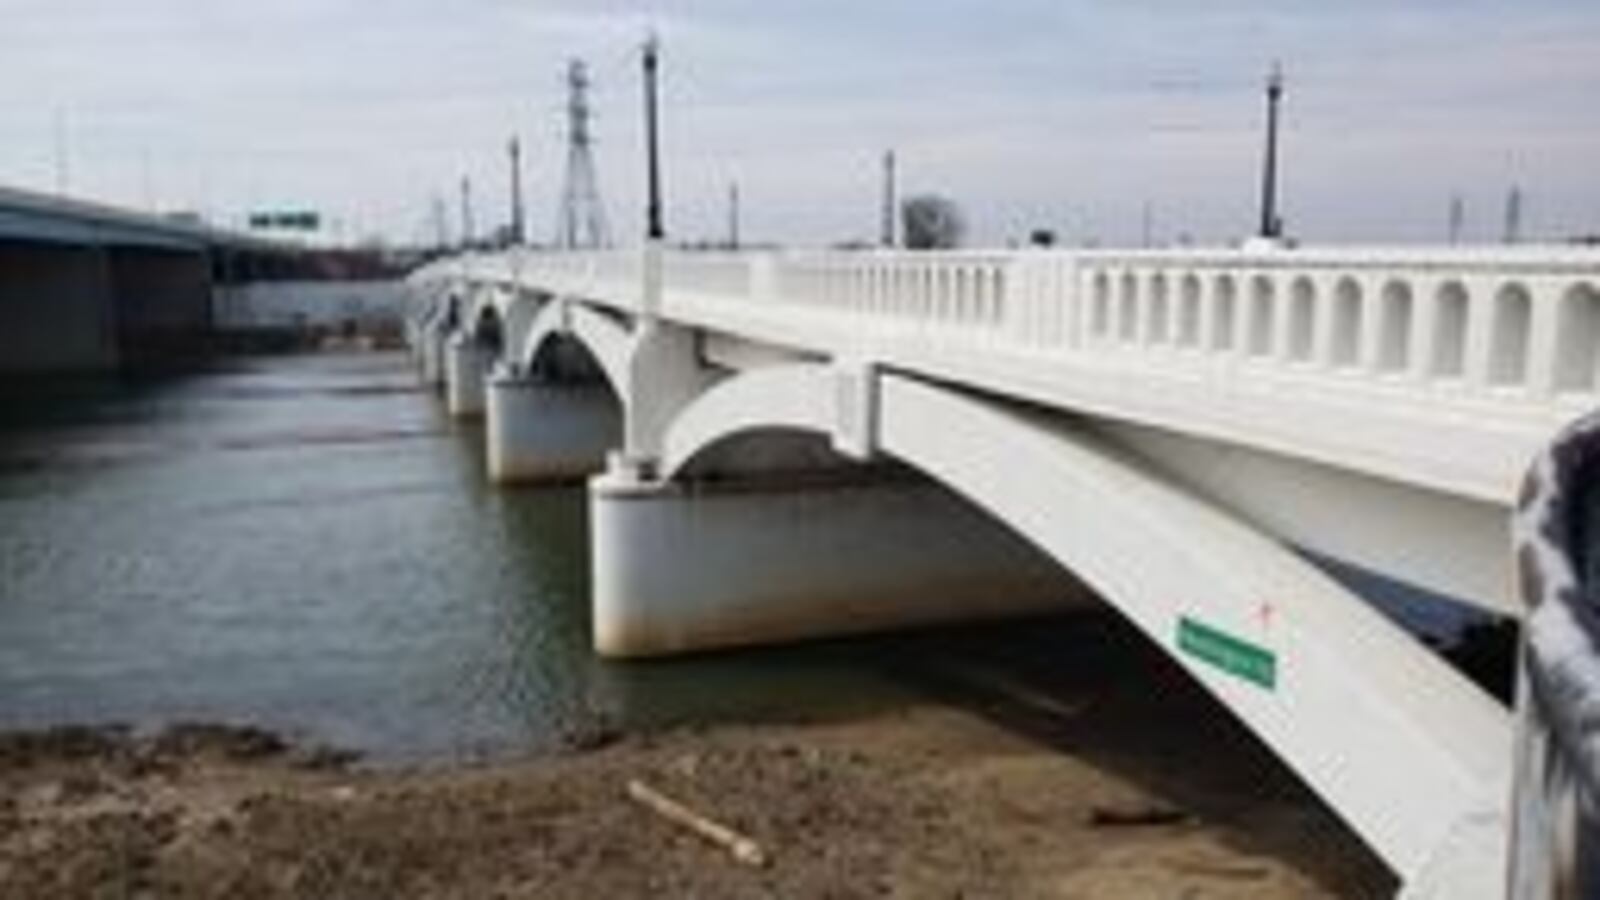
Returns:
<point x="308" y="543"/>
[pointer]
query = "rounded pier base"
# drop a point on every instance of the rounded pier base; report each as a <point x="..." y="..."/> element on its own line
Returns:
<point x="685" y="568"/>
<point x="545" y="433"/>
<point x="430" y="350"/>
<point x="466" y="367"/>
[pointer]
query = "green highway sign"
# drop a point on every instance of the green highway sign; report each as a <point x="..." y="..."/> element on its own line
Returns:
<point x="292" y="220"/>
<point x="1233" y="655"/>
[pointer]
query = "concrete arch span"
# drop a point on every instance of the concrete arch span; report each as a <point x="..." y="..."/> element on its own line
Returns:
<point x="606" y="339"/>
<point x="787" y="398"/>
<point x="1412" y="755"/>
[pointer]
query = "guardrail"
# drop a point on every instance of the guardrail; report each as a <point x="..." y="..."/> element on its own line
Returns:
<point x="1508" y="325"/>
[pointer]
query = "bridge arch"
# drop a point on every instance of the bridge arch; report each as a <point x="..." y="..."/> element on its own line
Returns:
<point x="1177" y="566"/>
<point x="797" y="397"/>
<point x="602" y="335"/>
<point x="489" y="330"/>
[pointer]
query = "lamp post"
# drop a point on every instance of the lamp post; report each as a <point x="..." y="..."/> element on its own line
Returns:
<point x="654" y="229"/>
<point x="888" y="212"/>
<point x="519" y="234"/>
<point x="1271" y="226"/>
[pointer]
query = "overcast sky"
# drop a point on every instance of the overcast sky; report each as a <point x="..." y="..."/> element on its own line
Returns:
<point x="1059" y="113"/>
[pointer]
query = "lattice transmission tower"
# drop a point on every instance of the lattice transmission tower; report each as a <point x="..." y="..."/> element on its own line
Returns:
<point x="582" y="222"/>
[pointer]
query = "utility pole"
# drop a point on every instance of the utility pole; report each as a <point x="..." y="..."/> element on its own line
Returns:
<point x="1513" y="220"/>
<point x="1271" y="226"/>
<point x="519" y="233"/>
<point x="655" y="230"/>
<point x="888" y="225"/>
<point x="1458" y="218"/>
<point x="467" y="232"/>
<point x="733" y="215"/>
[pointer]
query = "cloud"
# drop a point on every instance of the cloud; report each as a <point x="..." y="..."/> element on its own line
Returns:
<point x="1032" y="112"/>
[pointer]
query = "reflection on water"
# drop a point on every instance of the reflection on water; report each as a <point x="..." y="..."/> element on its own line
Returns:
<point x="307" y="543"/>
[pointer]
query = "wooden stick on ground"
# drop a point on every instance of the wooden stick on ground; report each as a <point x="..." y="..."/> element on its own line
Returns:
<point x="743" y="848"/>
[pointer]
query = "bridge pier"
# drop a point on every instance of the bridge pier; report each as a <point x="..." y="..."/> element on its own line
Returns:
<point x="681" y="567"/>
<point x="466" y="365"/>
<point x="430" y="352"/>
<point x="540" y="431"/>
<point x="56" y="309"/>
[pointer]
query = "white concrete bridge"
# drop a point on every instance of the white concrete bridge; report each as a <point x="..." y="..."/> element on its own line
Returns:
<point x="1185" y="433"/>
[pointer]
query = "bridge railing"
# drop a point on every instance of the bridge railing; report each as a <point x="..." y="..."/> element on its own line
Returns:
<point x="1503" y="327"/>
<point x="968" y="292"/>
<point x="725" y="275"/>
<point x="611" y="276"/>
<point x="1496" y="326"/>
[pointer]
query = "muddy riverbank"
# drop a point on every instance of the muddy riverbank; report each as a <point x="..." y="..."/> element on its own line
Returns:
<point x="1000" y="792"/>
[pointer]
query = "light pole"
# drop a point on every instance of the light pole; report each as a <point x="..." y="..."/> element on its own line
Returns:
<point x="1271" y="223"/>
<point x="654" y="230"/>
<point x="518" y="228"/>
<point x="888" y="211"/>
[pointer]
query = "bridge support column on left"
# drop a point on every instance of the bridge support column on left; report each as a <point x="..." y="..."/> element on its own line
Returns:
<point x="466" y="369"/>
<point x="542" y="431"/>
<point x="766" y="558"/>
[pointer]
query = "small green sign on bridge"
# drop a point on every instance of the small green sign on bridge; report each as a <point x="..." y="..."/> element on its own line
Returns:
<point x="1233" y="655"/>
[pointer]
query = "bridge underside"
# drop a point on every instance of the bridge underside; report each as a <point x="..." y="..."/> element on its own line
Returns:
<point x="69" y="308"/>
<point x="754" y="494"/>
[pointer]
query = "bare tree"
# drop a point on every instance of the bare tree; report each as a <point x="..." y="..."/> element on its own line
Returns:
<point x="932" y="222"/>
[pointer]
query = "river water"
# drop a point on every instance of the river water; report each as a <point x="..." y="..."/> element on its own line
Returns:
<point x="309" y="544"/>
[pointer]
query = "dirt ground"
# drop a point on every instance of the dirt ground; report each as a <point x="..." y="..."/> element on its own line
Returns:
<point x="1126" y="793"/>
